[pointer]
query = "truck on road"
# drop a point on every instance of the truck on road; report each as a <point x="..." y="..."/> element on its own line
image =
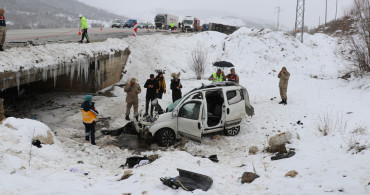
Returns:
<point x="191" y="23"/>
<point x="163" y="21"/>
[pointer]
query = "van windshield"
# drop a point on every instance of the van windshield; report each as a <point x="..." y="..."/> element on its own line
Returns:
<point x="188" y="22"/>
<point x="173" y="105"/>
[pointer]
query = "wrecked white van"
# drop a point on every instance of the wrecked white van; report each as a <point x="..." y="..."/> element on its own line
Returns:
<point x="216" y="107"/>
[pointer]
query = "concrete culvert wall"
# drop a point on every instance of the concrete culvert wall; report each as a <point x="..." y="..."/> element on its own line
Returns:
<point x="85" y="74"/>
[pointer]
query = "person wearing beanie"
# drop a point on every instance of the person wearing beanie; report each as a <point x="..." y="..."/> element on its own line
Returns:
<point x="84" y="28"/>
<point x="89" y="118"/>
<point x="151" y="86"/>
<point x="176" y="88"/>
<point x="283" y="85"/>
<point x="2" y="28"/>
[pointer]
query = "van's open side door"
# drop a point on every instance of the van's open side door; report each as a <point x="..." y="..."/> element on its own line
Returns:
<point x="191" y="120"/>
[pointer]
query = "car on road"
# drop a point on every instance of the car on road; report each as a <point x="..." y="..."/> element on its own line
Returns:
<point x="141" y="25"/>
<point x="117" y="24"/>
<point x="130" y="23"/>
<point x="211" y="108"/>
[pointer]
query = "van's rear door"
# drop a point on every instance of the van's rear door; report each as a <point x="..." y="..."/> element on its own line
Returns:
<point x="234" y="107"/>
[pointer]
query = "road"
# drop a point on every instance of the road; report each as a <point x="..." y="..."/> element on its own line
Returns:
<point x="20" y="38"/>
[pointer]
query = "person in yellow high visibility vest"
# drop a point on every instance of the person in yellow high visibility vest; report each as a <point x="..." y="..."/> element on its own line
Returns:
<point x="217" y="77"/>
<point x="84" y="28"/>
<point x="172" y="26"/>
<point x="89" y="118"/>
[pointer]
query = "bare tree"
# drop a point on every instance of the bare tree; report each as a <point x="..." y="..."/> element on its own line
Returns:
<point x="198" y="61"/>
<point x="359" y="42"/>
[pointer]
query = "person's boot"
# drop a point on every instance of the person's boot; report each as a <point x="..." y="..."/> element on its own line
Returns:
<point x="285" y="102"/>
<point x="1" y="48"/>
<point x="127" y="118"/>
<point x="137" y="118"/>
<point x="281" y="102"/>
<point x="80" y="41"/>
<point x="145" y="114"/>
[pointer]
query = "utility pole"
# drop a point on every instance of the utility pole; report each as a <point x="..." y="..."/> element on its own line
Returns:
<point x="278" y="18"/>
<point x="326" y="11"/>
<point x="299" y="20"/>
<point x="336" y="9"/>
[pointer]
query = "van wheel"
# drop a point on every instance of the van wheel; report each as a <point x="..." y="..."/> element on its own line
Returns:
<point x="166" y="137"/>
<point x="232" y="131"/>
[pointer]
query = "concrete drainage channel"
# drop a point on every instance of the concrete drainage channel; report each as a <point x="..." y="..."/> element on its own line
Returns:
<point x="53" y="93"/>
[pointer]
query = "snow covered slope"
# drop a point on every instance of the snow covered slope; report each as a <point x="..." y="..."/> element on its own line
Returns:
<point x="324" y="163"/>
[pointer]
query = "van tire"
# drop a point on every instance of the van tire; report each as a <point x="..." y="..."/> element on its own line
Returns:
<point x="232" y="131"/>
<point x="166" y="137"/>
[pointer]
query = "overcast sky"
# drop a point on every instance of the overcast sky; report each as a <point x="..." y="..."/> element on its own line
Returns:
<point x="264" y="9"/>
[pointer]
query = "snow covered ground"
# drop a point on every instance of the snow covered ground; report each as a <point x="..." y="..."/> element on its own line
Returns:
<point x="324" y="163"/>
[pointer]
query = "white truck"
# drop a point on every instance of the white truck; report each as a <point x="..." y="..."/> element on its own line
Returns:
<point x="163" y="21"/>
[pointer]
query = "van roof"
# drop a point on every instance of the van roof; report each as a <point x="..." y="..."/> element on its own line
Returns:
<point x="216" y="85"/>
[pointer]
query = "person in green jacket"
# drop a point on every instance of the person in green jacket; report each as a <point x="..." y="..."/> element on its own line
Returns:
<point x="84" y="28"/>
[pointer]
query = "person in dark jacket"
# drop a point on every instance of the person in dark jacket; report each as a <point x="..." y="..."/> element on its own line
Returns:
<point x="151" y="86"/>
<point x="176" y="88"/>
<point x="2" y="29"/>
<point x="89" y="118"/>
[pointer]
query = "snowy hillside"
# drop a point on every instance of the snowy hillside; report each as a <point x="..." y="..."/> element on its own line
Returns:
<point x="336" y="163"/>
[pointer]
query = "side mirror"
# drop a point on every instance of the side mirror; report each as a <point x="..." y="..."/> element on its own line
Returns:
<point x="174" y="113"/>
<point x="155" y="102"/>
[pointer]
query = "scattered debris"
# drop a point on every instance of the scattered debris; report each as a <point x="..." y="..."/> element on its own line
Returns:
<point x="279" y="156"/>
<point x="36" y="143"/>
<point x="218" y="137"/>
<point x="253" y="150"/>
<point x="291" y="174"/>
<point x="136" y="161"/>
<point x="75" y="170"/>
<point x="126" y="175"/>
<point x="212" y="158"/>
<point x="299" y="123"/>
<point x="188" y="181"/>
<point x="273" y="98"/>
<point x="45" y="140"/>
<point x="80" y="162"/>
<point x="315" y="76"/>
<point x="298" y="136"/>
<point x="249" y="177"/>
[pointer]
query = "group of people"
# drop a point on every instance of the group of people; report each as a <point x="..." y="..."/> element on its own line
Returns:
<point x="155" y="88"/>
<point x="283" y="84"/>
<point x="220" y="76"/>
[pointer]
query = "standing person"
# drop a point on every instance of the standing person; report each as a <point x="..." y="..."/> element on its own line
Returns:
<point x="151" y="86"/>
<point x="172" y="25"/>
<point x="132" y="89"/>
<point x="89" y="118"/>
<point x="232" y="76"/>
<point x="161" y="85"/>
<point x="176" y="88"/>
<point x="84" y="28"/>
<point x="217" y="77"/>
<point x="2" y="28"/>
<point x="283" y="85"/>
